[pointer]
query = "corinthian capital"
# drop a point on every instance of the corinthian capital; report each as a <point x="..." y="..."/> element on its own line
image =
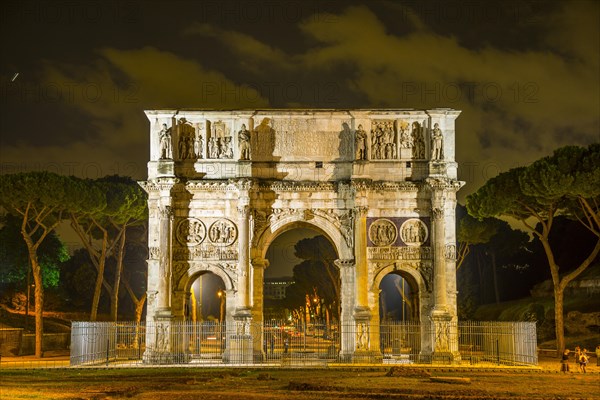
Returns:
<point x="437" y="213"/>
<point x="165" y="212"/>
<point x="361" y="212"/>
<point x="244" y="211"/>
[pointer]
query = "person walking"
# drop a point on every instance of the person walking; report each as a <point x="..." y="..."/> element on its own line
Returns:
<point x="583" y="360"/>
<point x="564" y="362"/>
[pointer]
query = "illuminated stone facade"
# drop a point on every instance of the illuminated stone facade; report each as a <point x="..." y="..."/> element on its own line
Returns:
<point x="379" y="184"/>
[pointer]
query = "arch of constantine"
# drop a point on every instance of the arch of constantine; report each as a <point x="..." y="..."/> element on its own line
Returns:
<point x="379" y="184"/>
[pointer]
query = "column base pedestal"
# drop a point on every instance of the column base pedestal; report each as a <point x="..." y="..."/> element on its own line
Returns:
<point x="240" y="349"/>
<point x="367" y="357"/>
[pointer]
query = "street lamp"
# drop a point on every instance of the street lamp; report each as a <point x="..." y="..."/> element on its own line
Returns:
<point x="221" y="294"/>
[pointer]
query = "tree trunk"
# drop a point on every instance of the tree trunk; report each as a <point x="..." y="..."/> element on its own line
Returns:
<point x="139" y="308"/>
<point x="559" y="319"/>
<point x="495" y="278"/>
<point x="97" y="290"/>
<point x="114" y="298"/>
<point x="98" y="258"/>
<point x="39" y="304"/>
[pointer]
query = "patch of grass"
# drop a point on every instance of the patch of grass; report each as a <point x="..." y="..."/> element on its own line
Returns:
<point x="305" y="384"/>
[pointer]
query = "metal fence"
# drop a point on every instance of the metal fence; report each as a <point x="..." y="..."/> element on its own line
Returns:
<point x="282" y="344"/>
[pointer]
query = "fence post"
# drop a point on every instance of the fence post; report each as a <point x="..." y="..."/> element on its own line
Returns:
<point x="107" y="350"/>
<point x="498" y="350"/>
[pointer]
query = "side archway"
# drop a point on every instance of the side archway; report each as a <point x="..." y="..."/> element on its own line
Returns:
<point x="183" y="286"/>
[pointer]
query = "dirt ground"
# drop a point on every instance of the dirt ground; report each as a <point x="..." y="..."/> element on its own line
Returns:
<point x="312" y="384"/>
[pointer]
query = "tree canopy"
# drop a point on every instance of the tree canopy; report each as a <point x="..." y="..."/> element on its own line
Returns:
<point x="566" y="183"/>
<point x="41" y="200"/>
<point x="14" y="256"/>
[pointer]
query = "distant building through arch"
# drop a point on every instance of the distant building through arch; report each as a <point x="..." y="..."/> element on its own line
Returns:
<point x="379" y="184"/>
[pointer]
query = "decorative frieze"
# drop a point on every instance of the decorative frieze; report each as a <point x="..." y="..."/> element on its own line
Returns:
<point x="204" y="252"/>
<point x="285" y="186"/>
<point x="399" y="253"/>
<point x="210" y="186"/>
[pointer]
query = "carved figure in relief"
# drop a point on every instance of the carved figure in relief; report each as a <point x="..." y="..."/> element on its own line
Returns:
<point x="220" y="148"/>
<point x="190" y="232"/>
<point x="418" y="150"/>
<point x="244" y="143"/>
<point x="383" y="143"/>
<point x="212" y="148"/>
<point x="191" y="154"/>
<point x="442" y="336"/>
<point x="437" y="143"/>
<point x="227" y="149"/>
<point x="198" y="145"/>
<point x="362" y="336"/>
<point x="161" y="337"/>
<point x="361" y="143"/>
<point x="222" y="232"/>
<point x="165" y="143"/>
<point x="413" y="232"/>
<point x="406" y="140"/>
<point x="184" y="147"/>
<point x="382" y="232"/>
<point x="376" y="141"/>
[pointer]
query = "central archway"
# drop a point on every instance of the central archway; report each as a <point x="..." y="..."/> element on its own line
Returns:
<point x="312" y="295"/>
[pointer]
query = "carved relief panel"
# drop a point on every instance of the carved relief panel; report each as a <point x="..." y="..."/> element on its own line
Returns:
<point x="383" y="140"/>
<point x="412" y="139"/>
<point x="190" y="141"/>
<point x="398" y="238"/>
<point x="220" y="142"/>
<point x="196" y="242"/>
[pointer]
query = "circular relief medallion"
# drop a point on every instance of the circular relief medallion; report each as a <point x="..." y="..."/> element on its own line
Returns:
<point x="413" y="232"/>
<point x="222" y="232"/>
<point x="190" y="232"/>
<point x="383" y="232"/>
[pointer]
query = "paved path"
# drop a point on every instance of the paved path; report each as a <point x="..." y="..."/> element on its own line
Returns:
<point x="60" y="359"/>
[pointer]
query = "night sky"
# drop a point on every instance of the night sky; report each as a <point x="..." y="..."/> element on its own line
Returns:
<point x="525" y="73"/>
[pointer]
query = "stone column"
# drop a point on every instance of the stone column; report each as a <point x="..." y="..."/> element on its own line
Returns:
<point x="360" y="254"/>
<point x="160" y="340"/>
<point x="165" y="263"/>
<point x="240" y="340"/>
<point x="439" y="259"/>
<point x="375" y="332"/>
<point x="229" y="329"/>
<point x="443" y="329"/>
<point x="347" y="300"/>
<point x="243" y="298"/>
<point x="258" y="272"/>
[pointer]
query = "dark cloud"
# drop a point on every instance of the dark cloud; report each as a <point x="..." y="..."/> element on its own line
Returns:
<point x="524" y="74"/>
